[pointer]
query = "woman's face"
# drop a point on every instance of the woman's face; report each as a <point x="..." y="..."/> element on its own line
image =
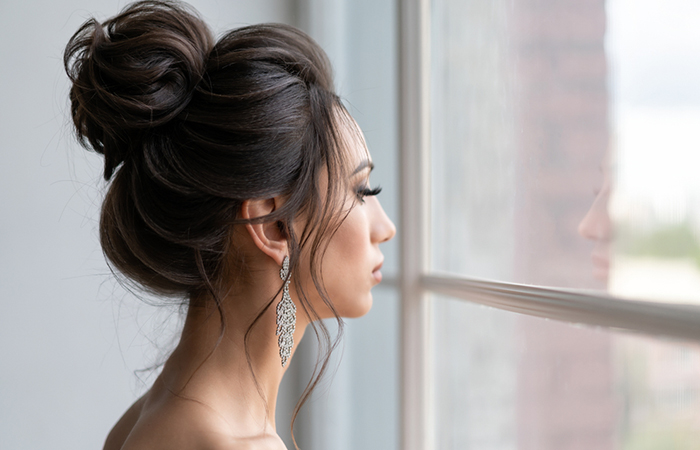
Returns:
<point x="351" y="265"/>
<point x="596" y="226"/>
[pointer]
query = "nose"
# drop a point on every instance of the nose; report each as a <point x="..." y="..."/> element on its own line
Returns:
<point x="383" y="229"/>
<point x="596" y="223"/>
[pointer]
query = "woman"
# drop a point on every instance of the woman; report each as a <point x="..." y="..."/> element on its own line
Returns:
<point x="239" y="185"/>
<point x="597" y="226"/>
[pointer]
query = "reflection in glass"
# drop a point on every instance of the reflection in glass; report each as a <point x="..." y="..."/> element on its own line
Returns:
<point x="565" y="151"/>
<point x="597" y="227"/>
<point x="504" y="381"/>
<point x="539" y="107"/>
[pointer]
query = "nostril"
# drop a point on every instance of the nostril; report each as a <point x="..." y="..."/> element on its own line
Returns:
<point x="583" y="230"/>
<point x="595" y="227"/>
<point x="391" y="231"/>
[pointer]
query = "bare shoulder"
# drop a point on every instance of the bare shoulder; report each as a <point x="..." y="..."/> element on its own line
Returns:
<point x="261" y="442"/>
<point x="183" y="425"/>
<point x="122" y="429"/>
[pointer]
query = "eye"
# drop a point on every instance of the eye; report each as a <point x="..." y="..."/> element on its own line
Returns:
<point x="365" y="191"/>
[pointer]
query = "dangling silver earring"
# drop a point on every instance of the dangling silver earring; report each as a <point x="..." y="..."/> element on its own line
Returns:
<point x="286" y="317"/>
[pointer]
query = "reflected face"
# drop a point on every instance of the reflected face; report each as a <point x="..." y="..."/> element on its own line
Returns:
<point x="596" y="226"/>
<point x="351" y="264"/>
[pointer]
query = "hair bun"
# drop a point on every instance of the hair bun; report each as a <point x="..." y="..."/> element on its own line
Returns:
<point x="134" y="72"/>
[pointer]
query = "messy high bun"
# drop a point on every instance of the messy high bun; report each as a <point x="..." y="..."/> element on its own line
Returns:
<point x="190" y="129"/>
<point x="133" y="73"/>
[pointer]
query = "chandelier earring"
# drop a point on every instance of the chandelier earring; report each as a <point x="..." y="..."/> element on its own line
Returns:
<point x="286" y="316"/>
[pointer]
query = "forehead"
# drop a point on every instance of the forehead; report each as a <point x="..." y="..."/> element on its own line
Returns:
<point x="353" y="140"/>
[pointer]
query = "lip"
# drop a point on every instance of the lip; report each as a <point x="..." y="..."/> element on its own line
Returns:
<point x="377" y="273"/>
<point x="600" y="259"/>
<point x="601" y="265"/>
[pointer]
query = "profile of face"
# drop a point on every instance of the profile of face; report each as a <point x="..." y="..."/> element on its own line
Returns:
<point x="596" y="226"/>
<point x="351" y="264"/>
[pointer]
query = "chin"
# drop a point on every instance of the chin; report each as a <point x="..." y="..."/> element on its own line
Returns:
<point x="358" y="308"/>
<point x="601" y="275"/>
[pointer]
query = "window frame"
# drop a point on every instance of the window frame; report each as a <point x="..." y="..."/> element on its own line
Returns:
<point x="414" y="140"/>
<point x="417" y="282"/>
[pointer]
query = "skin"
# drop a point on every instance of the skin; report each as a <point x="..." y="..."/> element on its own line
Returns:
<point x="597" y="226"/>
<point x="212" y="402"/>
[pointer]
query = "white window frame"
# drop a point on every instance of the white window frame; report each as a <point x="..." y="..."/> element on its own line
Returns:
<point x="414" y="141"/>
<point x="417" y="282"/>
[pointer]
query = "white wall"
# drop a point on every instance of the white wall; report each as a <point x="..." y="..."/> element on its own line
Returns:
<point x="69" y="337"/>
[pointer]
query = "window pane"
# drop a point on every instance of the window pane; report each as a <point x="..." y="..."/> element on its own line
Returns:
<point x="564" y="140"/>
<point x="508" y="381"/>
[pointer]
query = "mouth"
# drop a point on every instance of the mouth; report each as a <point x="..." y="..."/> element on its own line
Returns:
<point x="601" y="266"/>
<point x="377" y="273"/>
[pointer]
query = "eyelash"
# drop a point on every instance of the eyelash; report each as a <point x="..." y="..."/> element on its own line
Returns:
<point x="364" y="191"/>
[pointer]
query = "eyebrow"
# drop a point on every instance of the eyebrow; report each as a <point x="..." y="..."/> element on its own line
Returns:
<point x="363" y="165"/>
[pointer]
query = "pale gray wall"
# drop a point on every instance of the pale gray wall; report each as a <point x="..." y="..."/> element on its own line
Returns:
<point x="70" y="337"/>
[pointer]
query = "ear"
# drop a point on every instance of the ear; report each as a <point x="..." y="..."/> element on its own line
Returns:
<point x="268" y="237"/>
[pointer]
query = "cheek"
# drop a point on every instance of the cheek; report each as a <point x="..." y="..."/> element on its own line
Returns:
<point x="347" y="268"/>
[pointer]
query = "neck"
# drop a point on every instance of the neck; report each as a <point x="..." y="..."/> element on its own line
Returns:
<point x="236" y="370"/>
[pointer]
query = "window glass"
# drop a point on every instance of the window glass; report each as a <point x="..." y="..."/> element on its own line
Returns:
<point x="564" y="144"/>
<point x="508" y="381"/>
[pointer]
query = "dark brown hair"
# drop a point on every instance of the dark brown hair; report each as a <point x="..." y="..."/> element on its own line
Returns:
<point x="189" y="129"/>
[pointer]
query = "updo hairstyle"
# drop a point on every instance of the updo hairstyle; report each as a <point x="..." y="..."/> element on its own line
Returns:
<point x="190" y="128"/>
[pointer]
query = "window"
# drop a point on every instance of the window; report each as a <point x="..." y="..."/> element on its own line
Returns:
<point x="548" y="170"/>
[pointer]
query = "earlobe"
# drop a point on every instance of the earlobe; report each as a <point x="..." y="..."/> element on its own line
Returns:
<point x="269" y="237"/>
